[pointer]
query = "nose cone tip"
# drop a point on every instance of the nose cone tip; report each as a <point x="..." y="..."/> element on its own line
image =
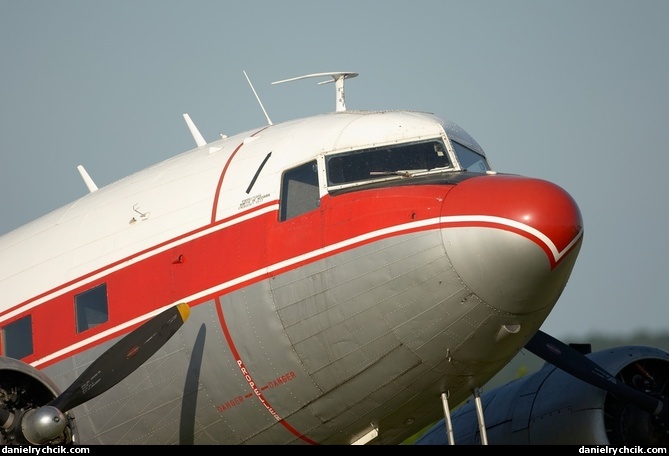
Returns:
<point x="535" y="208"/>
<point x="518" y="232"/>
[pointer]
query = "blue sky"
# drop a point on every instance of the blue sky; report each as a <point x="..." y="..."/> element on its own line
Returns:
<point x="574" y="92"/>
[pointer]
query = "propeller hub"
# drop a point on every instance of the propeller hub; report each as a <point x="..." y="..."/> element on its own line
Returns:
<point x="43" y="424"/>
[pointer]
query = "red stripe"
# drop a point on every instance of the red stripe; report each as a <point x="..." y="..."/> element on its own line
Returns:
<point x="226" y="254"/>
<point x="220" y="179"/>
<point x="540" y="204"/>
<point x="511" y="229"/>
<point x="131" y="258"/>
<point x="220" y="183"/>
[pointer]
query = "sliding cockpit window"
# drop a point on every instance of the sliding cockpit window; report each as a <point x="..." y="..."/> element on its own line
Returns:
<point x="299" y="191"/>
<point x="388" y="161"/>
<point x="470" y="160"/>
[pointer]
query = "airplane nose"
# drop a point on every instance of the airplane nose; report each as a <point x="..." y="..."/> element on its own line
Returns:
<point x="512" y="240"/>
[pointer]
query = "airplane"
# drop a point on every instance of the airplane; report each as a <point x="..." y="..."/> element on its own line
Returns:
<point x="554" y="406"/>
<point x="335" y="279"/>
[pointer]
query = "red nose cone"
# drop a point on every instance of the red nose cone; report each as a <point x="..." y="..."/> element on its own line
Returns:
<point x="533" y="208"/>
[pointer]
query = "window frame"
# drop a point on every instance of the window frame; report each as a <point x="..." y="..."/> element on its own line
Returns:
<point x="289" y="206"/>
<point x="24" y="338"/>
<point x="89" y="306"/>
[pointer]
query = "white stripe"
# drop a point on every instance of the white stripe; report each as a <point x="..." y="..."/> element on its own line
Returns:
<point x="517" y="225"/>
<point x="283" y="264"/>
<point x="99" y="336"/>
<point x="137" y="259"/>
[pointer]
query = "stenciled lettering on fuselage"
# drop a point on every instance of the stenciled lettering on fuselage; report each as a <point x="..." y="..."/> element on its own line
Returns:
<point x="256" y="391"/>
<point x="252" y="201"/>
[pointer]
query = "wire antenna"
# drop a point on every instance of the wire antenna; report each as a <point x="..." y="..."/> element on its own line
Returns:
<point x="269" y="121"/>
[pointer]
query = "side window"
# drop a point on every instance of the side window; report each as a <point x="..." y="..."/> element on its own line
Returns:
<point x="91" y="308"/>
<point x="470" y="160"/>
<point x="299" y="191"/>
<point x="17" y="338"/>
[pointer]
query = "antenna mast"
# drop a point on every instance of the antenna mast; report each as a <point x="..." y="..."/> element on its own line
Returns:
<point x="269" y="121"/>
<point x="337" y="77"/>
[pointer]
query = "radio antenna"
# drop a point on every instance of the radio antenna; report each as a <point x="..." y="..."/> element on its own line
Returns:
<point x="337" y="77"/>
<point x="269" y="121"/>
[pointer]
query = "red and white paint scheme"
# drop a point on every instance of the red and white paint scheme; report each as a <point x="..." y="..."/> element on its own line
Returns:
<point x="341" y="272"/>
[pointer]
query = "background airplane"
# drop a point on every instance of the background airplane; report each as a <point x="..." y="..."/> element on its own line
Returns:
<point x="554" y="407"/>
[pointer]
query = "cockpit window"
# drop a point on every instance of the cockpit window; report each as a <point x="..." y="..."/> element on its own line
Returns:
<point x="379" y="162"/>
<point x="299" y="191"/>
<point x="470" y="160"/>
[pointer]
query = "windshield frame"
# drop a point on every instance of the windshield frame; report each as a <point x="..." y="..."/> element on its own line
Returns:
<point x="470" y="160"/>
<point x="388" y="162"/>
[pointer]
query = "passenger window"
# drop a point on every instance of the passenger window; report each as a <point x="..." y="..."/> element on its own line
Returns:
<point x="17" y="338"/>
<point x="91" y="308"/>
<point x="299" y="191"/>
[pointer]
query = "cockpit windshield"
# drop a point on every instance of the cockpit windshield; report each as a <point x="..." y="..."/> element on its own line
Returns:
<point x="400" y="160"/>
<point x="389" y="161"/>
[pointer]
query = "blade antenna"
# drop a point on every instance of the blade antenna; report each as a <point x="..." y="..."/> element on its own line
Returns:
<point x="87" y="179"/>
<point x="197" y="136"/>
<point x="269" y="121"/>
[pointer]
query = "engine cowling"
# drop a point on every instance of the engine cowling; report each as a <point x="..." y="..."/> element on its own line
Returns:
<point x="553" y="407"/>
<point x="24" y="388"/>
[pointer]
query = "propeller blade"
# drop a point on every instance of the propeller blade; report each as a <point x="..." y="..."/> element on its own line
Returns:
<point x="580" y="366"/>
<point x="123" y="358"/>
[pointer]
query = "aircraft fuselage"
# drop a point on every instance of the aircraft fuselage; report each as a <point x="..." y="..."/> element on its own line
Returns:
<point x="335" y="285"/>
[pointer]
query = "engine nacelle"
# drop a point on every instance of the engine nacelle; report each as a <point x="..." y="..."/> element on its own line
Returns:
<point x="553" y="407"/>
<point x="24" y="388"/>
